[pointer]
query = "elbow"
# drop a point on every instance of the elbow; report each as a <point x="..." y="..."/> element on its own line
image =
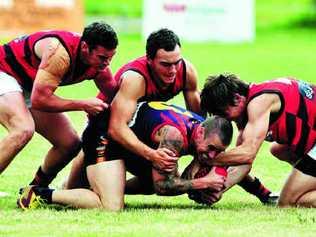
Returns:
<point x="112" y="132"/>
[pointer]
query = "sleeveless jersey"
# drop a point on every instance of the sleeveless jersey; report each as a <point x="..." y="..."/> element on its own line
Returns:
<point x="18" y="59"/>
<point x="153" y="92"/>
<point x="295" y="123"/>
<point x="150" y="117"/>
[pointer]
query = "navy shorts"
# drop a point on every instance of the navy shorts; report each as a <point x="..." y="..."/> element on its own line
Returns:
<point x="99" y="148"/>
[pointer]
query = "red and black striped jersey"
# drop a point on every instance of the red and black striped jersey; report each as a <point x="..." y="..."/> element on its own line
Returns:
<point x="153" y="91"/>
<point x="18" y="58"/>
<point x="295" y="123"/>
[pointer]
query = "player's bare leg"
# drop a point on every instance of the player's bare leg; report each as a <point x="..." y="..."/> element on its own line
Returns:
<point x="57" y="129"/>
<point x="283" y="153"/>
<point x="299" y="190"/>
<point x="107" y="180"/>
<point x="77" y="177"/>
<point x="18" y="121"/>
<point x="135" y="185"/>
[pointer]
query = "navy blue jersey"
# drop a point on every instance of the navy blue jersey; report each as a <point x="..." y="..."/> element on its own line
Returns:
<point x="149" y="117"/>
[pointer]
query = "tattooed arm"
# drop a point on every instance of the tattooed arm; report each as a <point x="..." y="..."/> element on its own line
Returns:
<point x="171" y="184"/>
<point x="55" y="62"/>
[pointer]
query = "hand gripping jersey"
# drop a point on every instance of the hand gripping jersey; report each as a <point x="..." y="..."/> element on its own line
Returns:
<point x="295" y="123"/>
<point x="18" y="59"/>
<point x="150" y="117"/>
<point x="153" y="92"/>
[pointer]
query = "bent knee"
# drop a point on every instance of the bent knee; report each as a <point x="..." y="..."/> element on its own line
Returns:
<point x="287" y="202"/>
<point x="114" y="206"/>
<point x="22" y="135"/>
<point x="70" y="147"/>
<point x="277" y="150"/>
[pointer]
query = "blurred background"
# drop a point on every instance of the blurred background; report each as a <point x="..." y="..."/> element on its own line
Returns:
<point x="280" y="40"/>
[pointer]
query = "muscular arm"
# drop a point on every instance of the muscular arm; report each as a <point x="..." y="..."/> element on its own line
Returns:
<point x="55" y="62"/>
<point x="191" y="93"/>
<point x="253" y="135"/>
<point x="122" y="109"/>
<point x="170" y="184"/>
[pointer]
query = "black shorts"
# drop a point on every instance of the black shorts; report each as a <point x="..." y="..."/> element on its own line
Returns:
<point x="99" y="148"/>
<point x="307" y="165"/>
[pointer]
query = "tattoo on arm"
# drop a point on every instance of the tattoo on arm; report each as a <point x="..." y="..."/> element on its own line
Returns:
<point x="172" y="186"/>
<point x="171" y="139"/>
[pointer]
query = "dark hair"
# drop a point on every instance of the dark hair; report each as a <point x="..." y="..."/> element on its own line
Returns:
<point x="100" y="34"/>
<point x="161" y="39"/>
<point x="219" y="92"/>
<point x="219" y="125"/>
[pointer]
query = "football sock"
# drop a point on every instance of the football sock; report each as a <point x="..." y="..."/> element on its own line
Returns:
<point x="256" y="188"/>
<point x="44" y="193"/>
<point x="42" y="179"/>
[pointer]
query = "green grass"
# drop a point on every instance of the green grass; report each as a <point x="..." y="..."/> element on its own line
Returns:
<point x="127" y="8"/>
<point x="279" y="50"/>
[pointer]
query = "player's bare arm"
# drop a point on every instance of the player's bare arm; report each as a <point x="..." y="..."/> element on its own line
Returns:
<point x="170" y="138"/>
<point x="55" y="62"/>
<point x="170" y="184"/>
<point x="258" y="110"/>
<point x="191" y="92"/>
<point x="122" y="108"/>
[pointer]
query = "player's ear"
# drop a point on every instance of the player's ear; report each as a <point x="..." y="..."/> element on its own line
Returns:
<point x="84" y="46"/>
<point x="237" y="98"/>
<point x="149" y="60"/>
<point x="200" y="132"/>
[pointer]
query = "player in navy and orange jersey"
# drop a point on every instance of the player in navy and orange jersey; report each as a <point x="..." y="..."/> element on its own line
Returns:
<point x="160" y="75"/>
<point x="282" y="111"/>
<point x="159" y="126"/>
<point x="36" y="65"/>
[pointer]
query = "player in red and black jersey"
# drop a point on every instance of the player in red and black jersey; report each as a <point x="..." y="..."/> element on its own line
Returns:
<point x="282" y="111"/>
<point x="36" y="65"/>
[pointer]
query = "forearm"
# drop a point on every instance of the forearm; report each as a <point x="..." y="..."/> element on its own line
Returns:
<point x="57" y="104"/>
<point x="125" y="136"/>
<point x="235" y="175"/>
<point x="235" y="156"/>
<point x="178" y="186"/>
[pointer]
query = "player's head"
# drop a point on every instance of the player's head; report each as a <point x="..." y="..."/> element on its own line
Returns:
<point x="212" y="137"/>
<point x="164" y="54"/>
<point x="224" y="92"/>
<point x="161" y="39"/>
<point x="100" y="34"/>
<point x="98" y="44"/>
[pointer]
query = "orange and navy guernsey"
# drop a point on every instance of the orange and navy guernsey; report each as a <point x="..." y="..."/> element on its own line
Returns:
<point x="295" y="123"/>
<point x="18" y="58"/>
<point x="150" y="117"/>
<point x="153" y="91"/>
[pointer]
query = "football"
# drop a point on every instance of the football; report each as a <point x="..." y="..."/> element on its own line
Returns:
<point x="202" y="171"/>
<point x="197" y="170"/>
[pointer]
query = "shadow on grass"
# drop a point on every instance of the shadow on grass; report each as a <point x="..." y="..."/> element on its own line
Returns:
<point x="166" y="206"/>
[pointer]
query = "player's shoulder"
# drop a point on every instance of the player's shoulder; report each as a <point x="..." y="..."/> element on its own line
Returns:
<point x="132" y="77"/>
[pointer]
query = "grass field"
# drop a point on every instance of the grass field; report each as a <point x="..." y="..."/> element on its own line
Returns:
<point x="279" y="50"/>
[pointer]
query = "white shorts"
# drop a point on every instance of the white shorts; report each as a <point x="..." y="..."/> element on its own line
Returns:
<point x="9" y="84"/>
<point x="312" y="153"/>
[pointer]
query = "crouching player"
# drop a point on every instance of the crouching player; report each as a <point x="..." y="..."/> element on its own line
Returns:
<point x="170" y="129"/>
